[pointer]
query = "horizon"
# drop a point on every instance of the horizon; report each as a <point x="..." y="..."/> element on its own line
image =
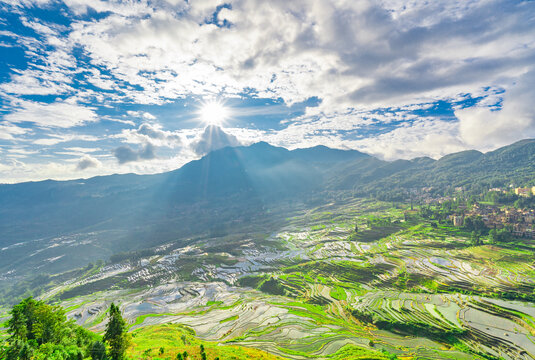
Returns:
<point x="258" y="142"/>
<point x="96" y="88"/>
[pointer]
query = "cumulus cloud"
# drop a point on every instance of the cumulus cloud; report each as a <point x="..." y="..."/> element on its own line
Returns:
<point x="87" y="162"/>
<point x="151" y="133"/>
<point x="213" y="138"/>
<point x="486" y="127"/>
<point x="373" y="66"/>
<point x="141" y="114"/>
<point x="355" y="53"/>
<point x="424" y="137"/>
<point x="125" y="154"/>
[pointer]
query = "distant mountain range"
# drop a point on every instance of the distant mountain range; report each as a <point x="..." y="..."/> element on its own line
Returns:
<point x="261" y="172"/>
<point x="133" y="211"/>
<point x="473" y="170"/>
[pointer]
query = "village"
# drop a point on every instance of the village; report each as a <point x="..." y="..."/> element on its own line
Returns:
<point x="520" y="221"/>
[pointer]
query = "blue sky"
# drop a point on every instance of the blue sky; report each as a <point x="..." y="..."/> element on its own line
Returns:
<point x="90" y="87"/>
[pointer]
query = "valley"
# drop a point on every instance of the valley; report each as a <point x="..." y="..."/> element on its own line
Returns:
<point x="315" y="288"/>
<point x="266" y="253"/>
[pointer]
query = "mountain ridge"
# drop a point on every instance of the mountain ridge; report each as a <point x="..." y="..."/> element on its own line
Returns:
<point x="130" y="211"/>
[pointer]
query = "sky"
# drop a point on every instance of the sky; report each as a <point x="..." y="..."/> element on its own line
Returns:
<point x="90" y="87"/>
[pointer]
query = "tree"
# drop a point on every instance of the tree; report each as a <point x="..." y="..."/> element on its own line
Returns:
<point x="39" y="331"/>
<point x="475" y="238"/>
<point x="18" y="350"/>
<point x="502" y="235"/>
<point x="37" y="321"/>
<point x="475" y="224"/>
<point x="98" y="351"/>
<point x="116" y="334"/>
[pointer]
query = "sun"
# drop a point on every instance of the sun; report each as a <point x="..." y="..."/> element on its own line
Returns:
<point x="213" y="113"/>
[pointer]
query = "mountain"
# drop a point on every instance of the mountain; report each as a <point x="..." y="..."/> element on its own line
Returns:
<point x="58" y="225"/>
<point x="95" y="218"/>
<point x="471" y="169"/>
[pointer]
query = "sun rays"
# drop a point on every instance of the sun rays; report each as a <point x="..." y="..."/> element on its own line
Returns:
<point x="213" y="112"/>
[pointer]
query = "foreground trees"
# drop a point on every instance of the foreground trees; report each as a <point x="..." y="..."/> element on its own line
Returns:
<point x="38" y="331"/>
<point x="116" y="334"/>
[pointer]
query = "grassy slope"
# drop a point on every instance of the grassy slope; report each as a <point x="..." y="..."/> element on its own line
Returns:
<point x="171" y="337"/>
<point x="176" y="339"/>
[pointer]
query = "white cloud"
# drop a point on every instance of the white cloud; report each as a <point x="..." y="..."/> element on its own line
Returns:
<point x="353" y="53"/>
<point x="356" y="57"/>
<point x="37" y="82"/>
<point x="213" y="138"/>
<point x="7" y="131"/>
<point x="55" y="115"/>
<point x="125" y="154"/>
<point x="83" y="150"/>
<point x="54" y="139"/>
<point x="350" y="54"/>
<point x="141" y="114"/>
<point x="486" y="128"/>
<point x="86" y="162"/>
<point x="120" y="7"/>
<point x="21" y="151"/>
<point x="425" y="137"/>
<point x="14" y="170"/>
<point x="361" y="54"/>
<point x="153" y="134"/>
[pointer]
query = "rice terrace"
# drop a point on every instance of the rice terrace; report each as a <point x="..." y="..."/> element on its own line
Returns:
<point x="357" y="278"/>
<point x="251" y="179"/>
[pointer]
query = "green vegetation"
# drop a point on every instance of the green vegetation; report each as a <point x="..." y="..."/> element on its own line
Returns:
<point x="350" y="352"/>
<point x="272" y="286"/>
<point x="40" y="331"/>
<point x="177" y="340"/>
<point x="348" y="279"/>
<point x="450" y="335"/>
<point x="234" y="317"/>
<point x="116" y="335"/>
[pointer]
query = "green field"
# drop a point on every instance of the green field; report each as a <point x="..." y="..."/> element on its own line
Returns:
<point x="314" y="288"/>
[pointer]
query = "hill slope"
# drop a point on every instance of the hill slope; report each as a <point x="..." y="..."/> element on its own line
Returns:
<point x="58" y="225"/>
<point x="472" y="169"/>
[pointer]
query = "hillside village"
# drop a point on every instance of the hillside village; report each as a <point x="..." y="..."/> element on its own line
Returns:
<point x="524" y="191"/>
<point x="510" y="209"/>
<point x="521" y="221"/>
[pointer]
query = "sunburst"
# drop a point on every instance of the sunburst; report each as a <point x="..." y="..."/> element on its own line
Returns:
<point x="213" y="113"/>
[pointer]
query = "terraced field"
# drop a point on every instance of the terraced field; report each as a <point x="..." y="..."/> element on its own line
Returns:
<point x="316" y="288"/>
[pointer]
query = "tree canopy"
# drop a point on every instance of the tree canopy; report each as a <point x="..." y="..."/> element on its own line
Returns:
<point x="39" y="331"/>
<point x="116" y="334"/>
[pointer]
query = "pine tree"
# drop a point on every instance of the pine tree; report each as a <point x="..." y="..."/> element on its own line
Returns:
<point x="98" y="351"/>
<point x="116" y="334"/>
